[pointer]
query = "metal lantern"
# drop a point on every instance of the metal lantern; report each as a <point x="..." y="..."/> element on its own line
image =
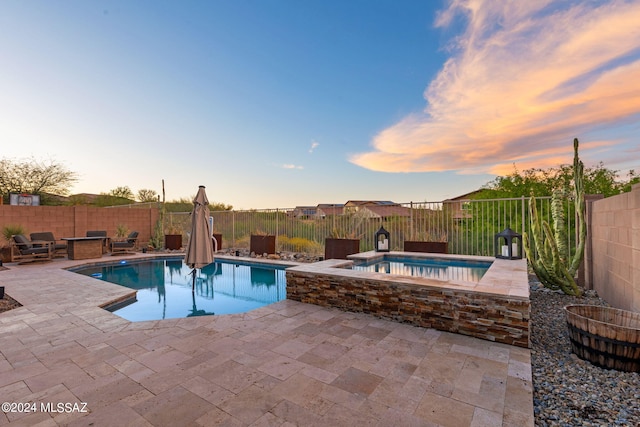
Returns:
<point x="382" y="240"/>
<point x="508" y="244"/>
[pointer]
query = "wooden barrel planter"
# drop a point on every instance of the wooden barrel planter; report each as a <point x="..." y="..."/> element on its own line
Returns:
<point x="607" y="337"/>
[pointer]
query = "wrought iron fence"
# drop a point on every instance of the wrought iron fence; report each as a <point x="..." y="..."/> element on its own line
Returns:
<point x="469" y="226"/>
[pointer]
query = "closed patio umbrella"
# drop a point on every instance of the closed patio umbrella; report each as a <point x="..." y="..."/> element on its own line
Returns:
<point x="199" y="250"/>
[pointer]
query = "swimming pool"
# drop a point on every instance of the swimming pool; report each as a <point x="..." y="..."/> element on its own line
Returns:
<point x="434" y="268"/>
<point x="164" y="287"/>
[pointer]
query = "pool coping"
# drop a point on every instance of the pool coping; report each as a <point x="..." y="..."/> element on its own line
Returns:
<point x="498" y="280"/>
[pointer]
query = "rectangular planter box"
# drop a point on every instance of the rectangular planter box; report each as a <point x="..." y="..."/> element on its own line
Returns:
<point x="218" y="242"/>
<point x="263" y="244"/>
<point x="5" y="254"/>
<point x="432" y="247"/>
<point x="340" y="248"/>
<point x="173" y="241"/>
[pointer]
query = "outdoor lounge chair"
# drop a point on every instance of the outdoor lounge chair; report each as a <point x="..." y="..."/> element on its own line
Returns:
<point x="127" y="246"/>
<point x="23" y="250"/>
<point x="59" y="249"/>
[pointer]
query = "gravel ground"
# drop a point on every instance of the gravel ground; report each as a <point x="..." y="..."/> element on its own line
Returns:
<point x="568" y="391"/>
<point x="8" y="303"/>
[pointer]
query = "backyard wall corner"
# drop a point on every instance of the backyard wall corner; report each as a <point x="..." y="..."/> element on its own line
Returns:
<point x="615" y="241"/>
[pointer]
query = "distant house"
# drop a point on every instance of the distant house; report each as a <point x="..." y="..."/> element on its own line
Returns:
<point x="304" y="212"/>
<point x="461" y="206"/>
<point x="353" y="206"/>
<point x="326" y="209"/>
<point x="383" y="211"/>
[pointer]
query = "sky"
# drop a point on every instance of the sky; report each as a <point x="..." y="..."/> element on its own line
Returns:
<point x="282" y="103"/>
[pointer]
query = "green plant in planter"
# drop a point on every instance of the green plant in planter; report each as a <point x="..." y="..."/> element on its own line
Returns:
<point x="171" y="228"/>
<point x="8" y="231"/>
<point x="11" y="230"/>
<point x="156" y="238"/>
<point x="426" y="236"/>
<point x="121" y="231"/>
<point x="349" y="230"/>
<point x="554" y="265"/>
<point x="338" y="234"/>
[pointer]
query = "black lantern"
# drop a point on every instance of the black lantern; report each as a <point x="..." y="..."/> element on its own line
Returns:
<point x="382" y="240"/>
<point x="508" y="244"/>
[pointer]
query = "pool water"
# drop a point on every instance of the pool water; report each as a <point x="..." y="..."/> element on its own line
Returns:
<point x="434" y="268"/>
<point x="164" y="287"/>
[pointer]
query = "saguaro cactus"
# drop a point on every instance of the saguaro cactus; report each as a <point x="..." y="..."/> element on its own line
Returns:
<point x="554" y="265"/>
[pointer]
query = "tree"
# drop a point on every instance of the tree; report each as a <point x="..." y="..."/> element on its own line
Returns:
<point x="632" y="180"/>
<point x="145" y="195"/>
<point x="122" y="192"/>
<point x="542" y="182"/>
<point x="218" y="206"/>
<point x="185" y="205"/>
<point x="35" y="177"/>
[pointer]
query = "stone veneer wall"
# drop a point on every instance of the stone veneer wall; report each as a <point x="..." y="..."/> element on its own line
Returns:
<point x="492" y="317"/>
<point x="615" y="240"/>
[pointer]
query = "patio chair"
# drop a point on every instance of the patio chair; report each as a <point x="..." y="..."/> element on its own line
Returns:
<point x="59" y="249"/>
<point x="103" y="234"/>
<point x="23" y="250"/>
<point x="126" y="246"/>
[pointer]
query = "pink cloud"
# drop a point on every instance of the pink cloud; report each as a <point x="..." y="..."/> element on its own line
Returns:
<point x="523" y="80"/>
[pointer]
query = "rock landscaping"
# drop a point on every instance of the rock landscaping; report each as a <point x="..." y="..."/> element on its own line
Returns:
<point x="568" y="391"/>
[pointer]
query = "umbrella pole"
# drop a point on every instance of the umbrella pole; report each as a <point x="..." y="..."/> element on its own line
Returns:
<point x="193" y="282"/>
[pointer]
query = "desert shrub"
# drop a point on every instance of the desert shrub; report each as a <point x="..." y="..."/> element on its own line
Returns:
<point x="298" y="244"/>
<point x="243" y="242"/>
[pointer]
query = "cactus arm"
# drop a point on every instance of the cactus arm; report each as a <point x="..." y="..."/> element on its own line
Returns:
<point x="559" y="225"/>
<point x="536" y="229"/>
<point x="578" y="177"/>
<point x="551" y="260"/>
<point x="560" y="274"/>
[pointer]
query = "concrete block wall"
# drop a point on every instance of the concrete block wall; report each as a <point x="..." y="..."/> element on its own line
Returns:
<point x="615" y="241"/>
<point x="74" y="221"/>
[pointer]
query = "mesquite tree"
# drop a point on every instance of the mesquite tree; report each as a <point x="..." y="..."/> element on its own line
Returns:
<point x="554" y="265"/>
<point x="35" y="176"/>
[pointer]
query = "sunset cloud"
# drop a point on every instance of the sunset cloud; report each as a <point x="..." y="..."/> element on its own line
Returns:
<point x="523" y="79"/>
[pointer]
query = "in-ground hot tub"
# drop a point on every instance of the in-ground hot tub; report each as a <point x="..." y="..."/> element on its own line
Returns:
<point x="496" y="307"/>
<point x="440" y="268"/>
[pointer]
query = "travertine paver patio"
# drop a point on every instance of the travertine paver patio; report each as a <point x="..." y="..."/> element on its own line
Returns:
<point x="285" y="364"/>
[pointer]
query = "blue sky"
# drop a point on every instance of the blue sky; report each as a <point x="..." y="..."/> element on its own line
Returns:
<point x="278" y="103"/>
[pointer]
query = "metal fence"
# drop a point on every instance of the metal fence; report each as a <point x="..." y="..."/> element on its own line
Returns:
<point x="469" y="226"/>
